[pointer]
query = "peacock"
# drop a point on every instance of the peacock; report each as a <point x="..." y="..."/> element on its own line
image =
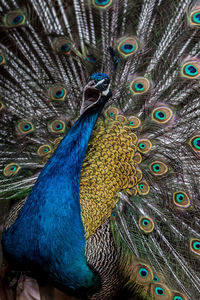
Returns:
<point x="100" y="146"/>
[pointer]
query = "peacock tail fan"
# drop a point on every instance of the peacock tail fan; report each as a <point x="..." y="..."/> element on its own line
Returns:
<point x="139" y="189"/>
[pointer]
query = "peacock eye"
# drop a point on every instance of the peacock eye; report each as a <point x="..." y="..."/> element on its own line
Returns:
<point x="2" y="59"/>
<point x="140" y="85"/>
<point x="134" y="122"/>
<point x="195" y="246"/>
<point x="11" y="169"/>
<point x="194" y="18"/>
<point x="62" y="45"/>
<point x="128" y="46"/>
<point x="144" y="146"/>
<point x="194" y="142"/>
<point x="155" y="279"/>
<point x="181" y="199"/>
<point x="43" y="150"/>
<point x="25" y="127"/>
<point x="191" y="69"/>
<point x="14" y="19"/>
<point x="146" y="224"/>
<point x="159" y="291"/>
<point x="178" y="298"/>
<point x="57" y="126"/>
<point x="162" y="115"/>
<point x="102" y="3"/>
<point x="143" y="272"/>
<point x="57" y="92"/>
<point x="158" y="168"/>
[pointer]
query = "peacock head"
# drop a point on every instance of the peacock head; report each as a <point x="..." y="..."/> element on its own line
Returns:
<point x="97" y="92"/>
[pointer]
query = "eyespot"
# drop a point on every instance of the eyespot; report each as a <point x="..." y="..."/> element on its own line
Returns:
<point x="57" y="92"/>
<point x="102" y="3"/>
<point x="191" y="69"/>
<point x="1" y="105"/>
<point x="195" y="246"/>
<point x="11" y="169"/>
<point x="158" y="168"/>
<point x="194" y="142"/>
<point x="25" y="127"/>
<point x="140" y="85"/>
<point x="138" y="175"/>
<point x="137" y="158"/>
<point x="62" y="45"/>
<point x="155" y="278"/>
<point x="178" y="296"/>
<point x="43" y="150"/>
<point x="122" y="119"/>
<point x="57" y="126"/>
<point x="143" y="188"/>
<point x="160" y="291"/>
<point x="128" y="46"/>
<point x="162" y="115"/>
<point x="111" y="113"/>
<point x="181" y="199"/>
<point x="142" y="273"/>
<point x="2" y="59"/>
<point x="144" y="146"/>
<point x="194" y="17"/>
<point x="146" y="224"/>
<point x="134" y="122"/>
<point x="91" y="58"/>
<point x="14" y="19"/>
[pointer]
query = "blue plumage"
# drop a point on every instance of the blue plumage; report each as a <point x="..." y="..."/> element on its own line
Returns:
<point x="48" y="235"/>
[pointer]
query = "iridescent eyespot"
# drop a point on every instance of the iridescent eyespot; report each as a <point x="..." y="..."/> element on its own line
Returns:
<point x="91" y="58"/>
<point x="102" y="3"/>
<point x="140" y="85"/>
<point x="146" y="224"/>
<point x="194" y="18"/>
<point x="143" y="273"/>
<point x="57" y="92"/>
<point x="194" y="142"/>
<point x="25" y="127"/>
<point x="158" y="168"/>
<point x="195" y="246"/>
<point x="111" y="113"/>
<point x="191" y="69"/>
<point x="122" y="119"/>
<point x="43" y="150"/>
<point x="2" y="59"/>
<point x="143" y="188"/>
<point x="160" y="291"/>
<point x="1" y="105"/>
<point x="137" y="158"/>
<point x="162" y="114"/>
<point x="62" y="45"/>
<point x="181" y="199"/>
<point x="11" y="169"/>
<point x="134" y="122"/>
<point x="14" y="19"/>
<point x="128" y="46"/>
<point x="144" y="146"/>
<point x="178" y="296"/>
<point x="155" y="278"/>
<point x="57" y="126"/>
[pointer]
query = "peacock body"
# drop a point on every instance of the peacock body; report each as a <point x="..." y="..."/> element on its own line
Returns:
<point x="98" y="207"/>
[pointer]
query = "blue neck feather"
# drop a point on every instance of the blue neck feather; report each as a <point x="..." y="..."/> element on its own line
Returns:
<point x="49" y="232"/>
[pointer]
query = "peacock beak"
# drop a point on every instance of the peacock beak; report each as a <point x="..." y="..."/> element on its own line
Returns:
<point x="91" y="96"/>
